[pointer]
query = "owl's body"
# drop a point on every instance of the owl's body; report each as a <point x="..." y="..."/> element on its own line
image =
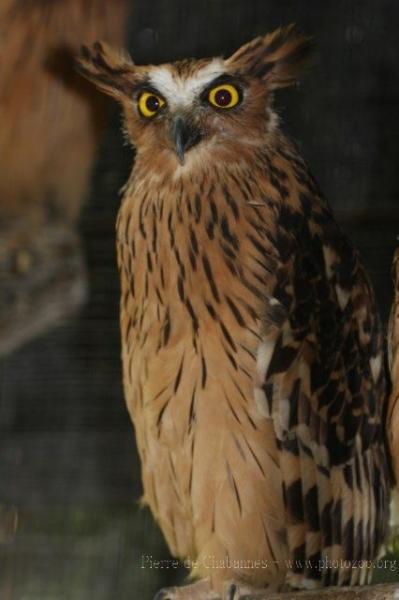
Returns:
<point x="251" y="347"/>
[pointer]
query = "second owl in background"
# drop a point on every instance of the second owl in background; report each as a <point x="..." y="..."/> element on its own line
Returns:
<point x="51" y="121"/>
<point x="252" y="349"/>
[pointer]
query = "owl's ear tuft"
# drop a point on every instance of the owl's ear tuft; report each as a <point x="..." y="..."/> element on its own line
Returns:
<point x="110" y="70"/>
<point x="278" y="58"/>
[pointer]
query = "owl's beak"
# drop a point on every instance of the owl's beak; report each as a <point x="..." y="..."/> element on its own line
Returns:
<point x="184" y="136"/>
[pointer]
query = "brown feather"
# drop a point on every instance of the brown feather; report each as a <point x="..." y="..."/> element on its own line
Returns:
<point x="277" y="58"/>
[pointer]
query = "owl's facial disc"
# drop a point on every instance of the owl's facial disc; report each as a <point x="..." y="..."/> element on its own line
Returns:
<point x="209" y="104"/>
<point x="184" y="135"/>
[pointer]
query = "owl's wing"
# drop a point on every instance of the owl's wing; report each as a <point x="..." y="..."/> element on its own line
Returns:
<point x="321" y="380"/>
<point x="393" y="351"/>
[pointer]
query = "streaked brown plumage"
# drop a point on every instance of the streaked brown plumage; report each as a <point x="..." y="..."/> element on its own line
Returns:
<point x="251" y="345"/>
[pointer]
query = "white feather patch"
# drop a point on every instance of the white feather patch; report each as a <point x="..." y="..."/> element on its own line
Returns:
<point x="265" y="351"/>
<point x="342" y="296"/>
<point x="375" y="366"/>
<point x="179" y="91"/>
<point x="274" y="302"/>
<point x="261" y="402"/>
<point x="283" y="414"/>
<point x="329" y="259"/>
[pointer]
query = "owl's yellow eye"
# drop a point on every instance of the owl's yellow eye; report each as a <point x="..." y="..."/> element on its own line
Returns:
<point x="224" y="96"/>
<point x="149" y="104"/>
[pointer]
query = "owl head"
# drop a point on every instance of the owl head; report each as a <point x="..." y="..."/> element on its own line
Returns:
<point x="191" y="107"/>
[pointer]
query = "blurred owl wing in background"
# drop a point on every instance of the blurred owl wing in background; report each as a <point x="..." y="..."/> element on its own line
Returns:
<point x="42" y="98"/>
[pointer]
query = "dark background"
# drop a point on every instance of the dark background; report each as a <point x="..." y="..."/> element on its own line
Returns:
<point x="67" y="454"/>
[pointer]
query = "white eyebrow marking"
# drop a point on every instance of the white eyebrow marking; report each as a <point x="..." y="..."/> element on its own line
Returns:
<point x="182" y="91"/>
